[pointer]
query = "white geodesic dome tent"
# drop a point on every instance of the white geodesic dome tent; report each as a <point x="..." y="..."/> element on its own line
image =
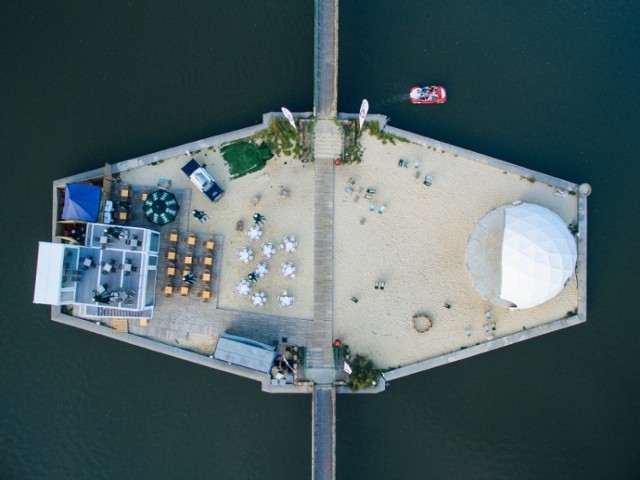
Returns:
<point x="520" y="256"/>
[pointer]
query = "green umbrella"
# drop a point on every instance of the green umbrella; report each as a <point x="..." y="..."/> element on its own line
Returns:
<point x="161" y="207"/>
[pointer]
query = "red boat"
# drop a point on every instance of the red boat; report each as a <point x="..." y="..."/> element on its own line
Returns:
<point x="430" y="94"/>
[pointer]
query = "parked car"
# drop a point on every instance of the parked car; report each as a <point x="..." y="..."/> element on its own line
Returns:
<point x="203" y="180"/>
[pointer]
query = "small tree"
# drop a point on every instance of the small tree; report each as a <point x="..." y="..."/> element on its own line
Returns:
<point x="364" y="373"/>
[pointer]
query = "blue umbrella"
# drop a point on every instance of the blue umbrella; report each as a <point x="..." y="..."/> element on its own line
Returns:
<point x="81" y="202"/>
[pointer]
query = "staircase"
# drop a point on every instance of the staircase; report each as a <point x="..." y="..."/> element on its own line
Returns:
<point x="327" y="140"/>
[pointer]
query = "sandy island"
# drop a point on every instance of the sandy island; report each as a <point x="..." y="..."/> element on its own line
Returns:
<point x="417" y="246"/>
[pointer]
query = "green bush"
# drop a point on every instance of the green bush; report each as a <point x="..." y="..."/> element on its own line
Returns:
<point x="364" y="373"/>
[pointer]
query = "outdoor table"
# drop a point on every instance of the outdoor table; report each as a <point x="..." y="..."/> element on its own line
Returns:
<point x="171" y="254"/>
<point x="171" y="271"/>
<point x="184" y="290"/>
<point x="209" y="244"/>
<point x="206" y="276"/>
<point x="123" y="215"/>
<point x="101" y="289"/>
<point x="132" y="242"/>
<point x="208" y="260"/>
<point x="191" y="240"/>
<point x="124" y="193"/>
<point x="186" y="272"/>
<point x="173" y="237"/>
<point x="88" y="262"/>
<point x="168" y="289"/>
<point x="127" y="267"/>
<point x="188" y="259"/>
<point x="206" y="294"/>
<point x="103" y="239"/>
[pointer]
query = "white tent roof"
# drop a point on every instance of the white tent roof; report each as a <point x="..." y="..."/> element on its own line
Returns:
<point x="49" y="273"/>
<point x="521" y="255"/>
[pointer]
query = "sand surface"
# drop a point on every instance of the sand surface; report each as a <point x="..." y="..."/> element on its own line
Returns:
<point x="417" y="246"/>
<point x="284" y="216"/>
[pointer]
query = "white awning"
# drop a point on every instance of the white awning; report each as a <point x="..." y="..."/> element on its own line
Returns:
<point x="49" y="273"/>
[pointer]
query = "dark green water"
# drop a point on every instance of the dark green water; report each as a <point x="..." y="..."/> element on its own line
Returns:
<point x="549" y="85"/>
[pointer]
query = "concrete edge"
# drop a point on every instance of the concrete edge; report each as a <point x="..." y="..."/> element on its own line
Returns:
<point x="390" y="375"/>
<point x="482" y="348"/>
<point x="158" y="347"/>
<point x="581" y="267"/>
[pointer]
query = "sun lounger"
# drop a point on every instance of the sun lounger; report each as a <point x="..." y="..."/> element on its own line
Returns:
<point x="372" y="206"/>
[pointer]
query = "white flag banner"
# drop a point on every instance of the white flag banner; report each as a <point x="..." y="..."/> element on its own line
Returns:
<point x="347" y="368"/>
<point x="364" y="109"/>
<point x="289" y="116"/>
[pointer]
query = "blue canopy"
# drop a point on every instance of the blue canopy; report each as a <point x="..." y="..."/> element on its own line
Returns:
<point x="81" y="202"/>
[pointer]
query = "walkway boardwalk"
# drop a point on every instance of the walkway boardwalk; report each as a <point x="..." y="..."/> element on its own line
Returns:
<point x="326" y="60"/>
<point x="323" y="433"/>
<point x="327" y="147"/>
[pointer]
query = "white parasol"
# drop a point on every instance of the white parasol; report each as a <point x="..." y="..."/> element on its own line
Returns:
<point x="268" y="250"/>
<point x="243" y="287"/>
<point x="258" y="299"/>
<point x="288" y="269"/>
<point x="254" y="232"/>
<point x="261" y="269"/>
<point x="285" y="299"/>
<point x="289" y="244"/>
<point x="245" y="255"/>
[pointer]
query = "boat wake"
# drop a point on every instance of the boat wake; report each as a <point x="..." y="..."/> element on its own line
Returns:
<point x="393" y="99"/>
